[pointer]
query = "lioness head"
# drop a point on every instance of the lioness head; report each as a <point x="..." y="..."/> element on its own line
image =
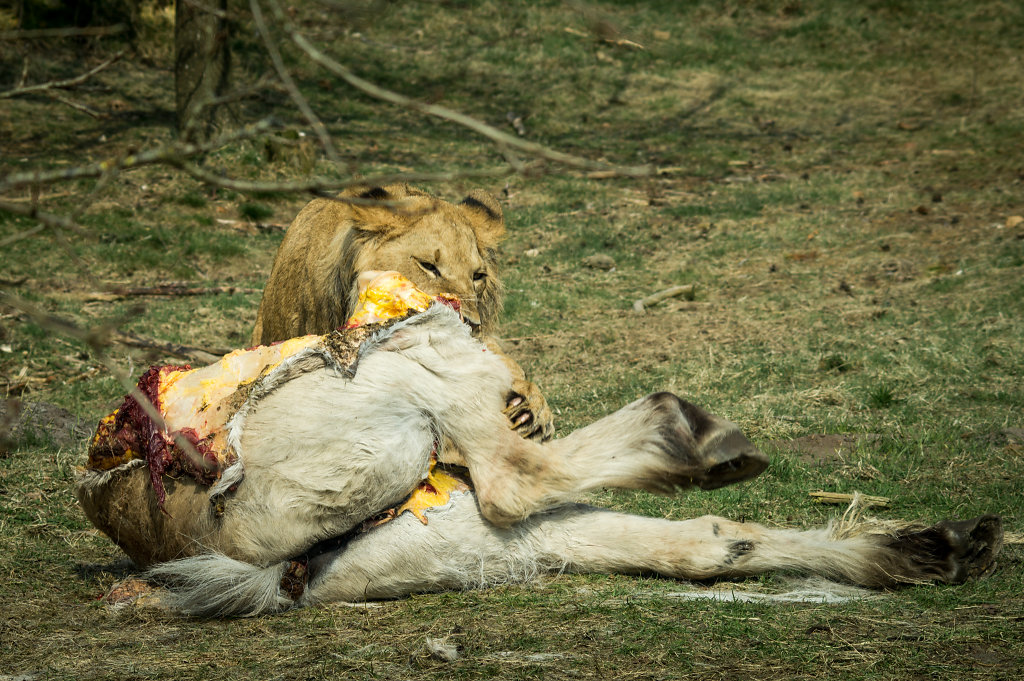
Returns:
<point x="440" y="246"/>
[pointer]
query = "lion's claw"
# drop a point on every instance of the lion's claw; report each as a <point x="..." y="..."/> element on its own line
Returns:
<point x="528" y="412"/>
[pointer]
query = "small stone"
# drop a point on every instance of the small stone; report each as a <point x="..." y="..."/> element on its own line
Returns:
<point x="599" y="261"/>
<point x="440" y="649"/>
<point x="1014" y="221"/>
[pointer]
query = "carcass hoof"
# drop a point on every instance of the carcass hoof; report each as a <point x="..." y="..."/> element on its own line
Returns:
<point x="734" y="459"/>
<point x="954" y="551"/>
<point x="714" y="451"/>
<point x="975" y="544"/>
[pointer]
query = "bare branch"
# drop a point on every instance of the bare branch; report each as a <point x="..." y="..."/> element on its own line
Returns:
<point x="70" y="32"/>
<point x="61" y="84"/>
<point x="48" y="219"/>
<point x="169" y="289"/>
<point x="292" y="88"/>
<point x="319" y="186"/>
<point x="502" y="138"/>
<point x="21" y="235"/>
<point x="175" y="154"/>
<point x="206" y="356"/>
<point x="98" y="339"/>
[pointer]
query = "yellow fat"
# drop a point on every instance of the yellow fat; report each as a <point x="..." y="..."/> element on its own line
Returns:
<point x="424" y="499"/>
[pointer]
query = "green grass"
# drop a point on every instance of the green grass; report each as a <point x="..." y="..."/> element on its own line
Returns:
<point x="802" y="147"/>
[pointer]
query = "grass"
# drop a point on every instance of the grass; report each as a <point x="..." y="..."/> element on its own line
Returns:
<point x="837" y="182"/>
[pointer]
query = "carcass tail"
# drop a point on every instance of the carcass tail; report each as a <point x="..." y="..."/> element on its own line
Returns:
<point x="213" y="585"/>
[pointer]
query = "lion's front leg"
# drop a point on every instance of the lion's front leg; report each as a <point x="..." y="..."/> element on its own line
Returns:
<point x="525" y="407"/>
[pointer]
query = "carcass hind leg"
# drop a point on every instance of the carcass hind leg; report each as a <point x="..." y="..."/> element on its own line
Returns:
<point x="658" y="443"/>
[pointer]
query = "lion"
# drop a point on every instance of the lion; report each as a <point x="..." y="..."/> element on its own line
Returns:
<point x="443" y="248"/>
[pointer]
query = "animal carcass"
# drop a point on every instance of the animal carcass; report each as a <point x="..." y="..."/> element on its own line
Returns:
<point x="281" y="476"/>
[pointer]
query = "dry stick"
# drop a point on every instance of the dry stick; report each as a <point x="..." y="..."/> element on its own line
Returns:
<point x="75" y="105"/>
<point x="20" y="235"/>
<point x="840" y="498"/>
<point x="617" y="42"/>
<point x="686" y="291"/>
<point x="491" y="133"/>
<point x="292" y="88"/>
<point x="45" y="197"/>
<point x="61" y="84"/>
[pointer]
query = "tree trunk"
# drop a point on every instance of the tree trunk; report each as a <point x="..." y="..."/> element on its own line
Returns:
<point x="202" y="65"/>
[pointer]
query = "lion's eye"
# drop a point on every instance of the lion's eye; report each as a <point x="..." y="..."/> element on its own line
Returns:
<point x="429" y="267"/>
<point x="479" y="276"/>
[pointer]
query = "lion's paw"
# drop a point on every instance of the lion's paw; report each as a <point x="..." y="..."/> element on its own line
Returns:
<point x="528" y="412"/>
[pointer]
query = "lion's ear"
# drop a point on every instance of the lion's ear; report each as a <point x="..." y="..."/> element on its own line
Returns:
<point x="491" y="228"/>
<point x="387" y="215"/>
<point x="368" y="215"/>
<point x="375" y="194"/>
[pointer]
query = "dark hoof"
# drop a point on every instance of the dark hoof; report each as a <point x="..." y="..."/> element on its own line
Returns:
<point x="975" y="544"/>
<point x="732" y="460"/>
<point x="952" y="551"/>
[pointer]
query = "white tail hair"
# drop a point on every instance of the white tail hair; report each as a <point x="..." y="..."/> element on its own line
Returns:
<point x="213" y="585"/>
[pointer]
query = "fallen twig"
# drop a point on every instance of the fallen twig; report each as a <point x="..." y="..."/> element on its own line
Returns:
<point x="48" y="219"/>
<point x="174" y="155"/>
<point x="170" y="289"/>
<point x="41" y="197"/>
<point x="247" y="226"/>
<point x="840" y="498"/>
<point x="686" y="291"/>
<point x="76" y="105"/>
<point x="617" y="42"/>
<point x="94" y="371"/>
